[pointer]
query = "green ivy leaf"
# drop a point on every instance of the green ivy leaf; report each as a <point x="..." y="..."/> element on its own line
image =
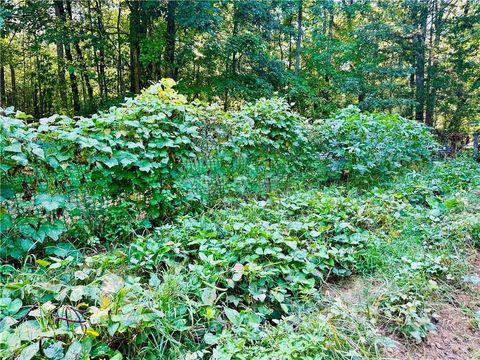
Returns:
<point x="110" y="162"/>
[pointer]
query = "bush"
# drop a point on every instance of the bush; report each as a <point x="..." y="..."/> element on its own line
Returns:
<point x="369" y="145"/>
<point x="63" y="166"/>
<point x="267" y="129"/>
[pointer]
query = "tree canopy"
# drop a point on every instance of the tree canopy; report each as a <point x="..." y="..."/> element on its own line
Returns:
<point x="416" y="57"/>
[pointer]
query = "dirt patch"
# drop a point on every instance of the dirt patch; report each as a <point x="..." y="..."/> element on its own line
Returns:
<point x="456" y="337"/>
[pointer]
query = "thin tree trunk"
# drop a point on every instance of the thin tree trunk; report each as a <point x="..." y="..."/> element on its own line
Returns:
<point x="290" y="44"/>
<point x="13" y="79"/>
<point x="60" y="12"/>
<point x="329" y="45"/>
<point x="419" y="49"/>
<point x="134" y="37"/>
<point x="80" y="57"/>
<point x="120" y="85"/>
<point x="73" y="80"/>
<point x="433" y="71"/>
<point x="95" y="55"/>
<point x="235" y="33"/>
<point x="429" y="80"/>
<point x="3" y="93"/>
<point x="58" y="6"/>
<point x="101" y="52"/>
<point x="36" y="89"/>
<point x="170" y="40"/>
<point x="299" y="39"/>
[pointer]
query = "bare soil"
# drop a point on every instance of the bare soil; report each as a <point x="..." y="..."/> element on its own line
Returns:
<point x="456" y="336"/>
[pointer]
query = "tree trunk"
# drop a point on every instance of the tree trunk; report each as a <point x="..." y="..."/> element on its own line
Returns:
<point x="3" y="93"/>
<point x="329" y="45"/>
<point x="134" y="37"/>
<point x="433" y="70"/>
<point x="120" y="85"/>
<point x="234" y="34"/>
<point x="429" y="104"/>
<point x="36" y="89"/>
<point x="73" y="80"/>
<point x="290" y="43"/>
<point x="419" y="49"/>
<point x="170" y="40"/>
<point x="60" y="13"/>
<point x="101" y="52"/>
<point x="299" y="38"/>
<point x="58" y="6"/>
<point x="13" y="79"/>
<point x="80" y="57"/>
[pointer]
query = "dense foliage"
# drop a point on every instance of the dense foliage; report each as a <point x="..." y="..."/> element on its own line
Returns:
<point x="207" y="284"/>
<point x="251" y="179"/>
<point x="415" y="57"/>
<point x="127" y="165"/>
<point x="367" y="145"/>
<point x="108" y="253"/>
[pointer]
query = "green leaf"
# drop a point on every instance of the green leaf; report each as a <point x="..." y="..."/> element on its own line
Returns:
<point x="110" y="162"/>
<point x="53" y="230"/>
<point x="20" y="159"/>
<point x="6" y="192"/>
<point x="50" y="202"/>
<point x="29" y="352"/>
<point x="210" y="339"/>
<point x="16" y="148"/>
<point x="54" y="351"/>
<point x="295" y="226"/>
<point x="43" y="263"/>
<point x="14" y="307"/>
<point x="144" y="165"/>
<point x="208" y="296"/>
<point x="5" y="223"/>
<point x="74" y="351"/>
<point x="232" y="315"/>
<point x="314" y="233"/>
<point x="117" y="356"/>
<point x="77" y="293"/>
<point x="37" y="150"/>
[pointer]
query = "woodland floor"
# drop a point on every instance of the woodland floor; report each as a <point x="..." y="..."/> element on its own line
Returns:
<point x="455" y="337"/>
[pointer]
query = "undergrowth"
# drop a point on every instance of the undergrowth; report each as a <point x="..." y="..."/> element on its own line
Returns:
<point x="245" y="281"/>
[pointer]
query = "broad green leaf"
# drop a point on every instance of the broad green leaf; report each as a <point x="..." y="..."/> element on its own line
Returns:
<point x="50" y="202"/>
<point x="208" y="296"/>
<point x="54" y="351"/>
<point x="29" y="352"/>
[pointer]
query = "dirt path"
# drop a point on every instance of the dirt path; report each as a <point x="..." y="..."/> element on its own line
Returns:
<point x="456" y="336"/>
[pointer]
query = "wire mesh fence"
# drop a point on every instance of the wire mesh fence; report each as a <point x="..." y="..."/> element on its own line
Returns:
<point x="204" y="180"/>
<point x="211" y="179"/>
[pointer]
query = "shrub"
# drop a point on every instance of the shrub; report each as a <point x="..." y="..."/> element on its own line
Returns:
<point x="60" y="165"/>
<point x="368" y="145"/>
<point x="267" y="129"/>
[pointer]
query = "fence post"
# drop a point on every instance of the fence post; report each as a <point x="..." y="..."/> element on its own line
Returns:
<point x="476" y="145"/>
